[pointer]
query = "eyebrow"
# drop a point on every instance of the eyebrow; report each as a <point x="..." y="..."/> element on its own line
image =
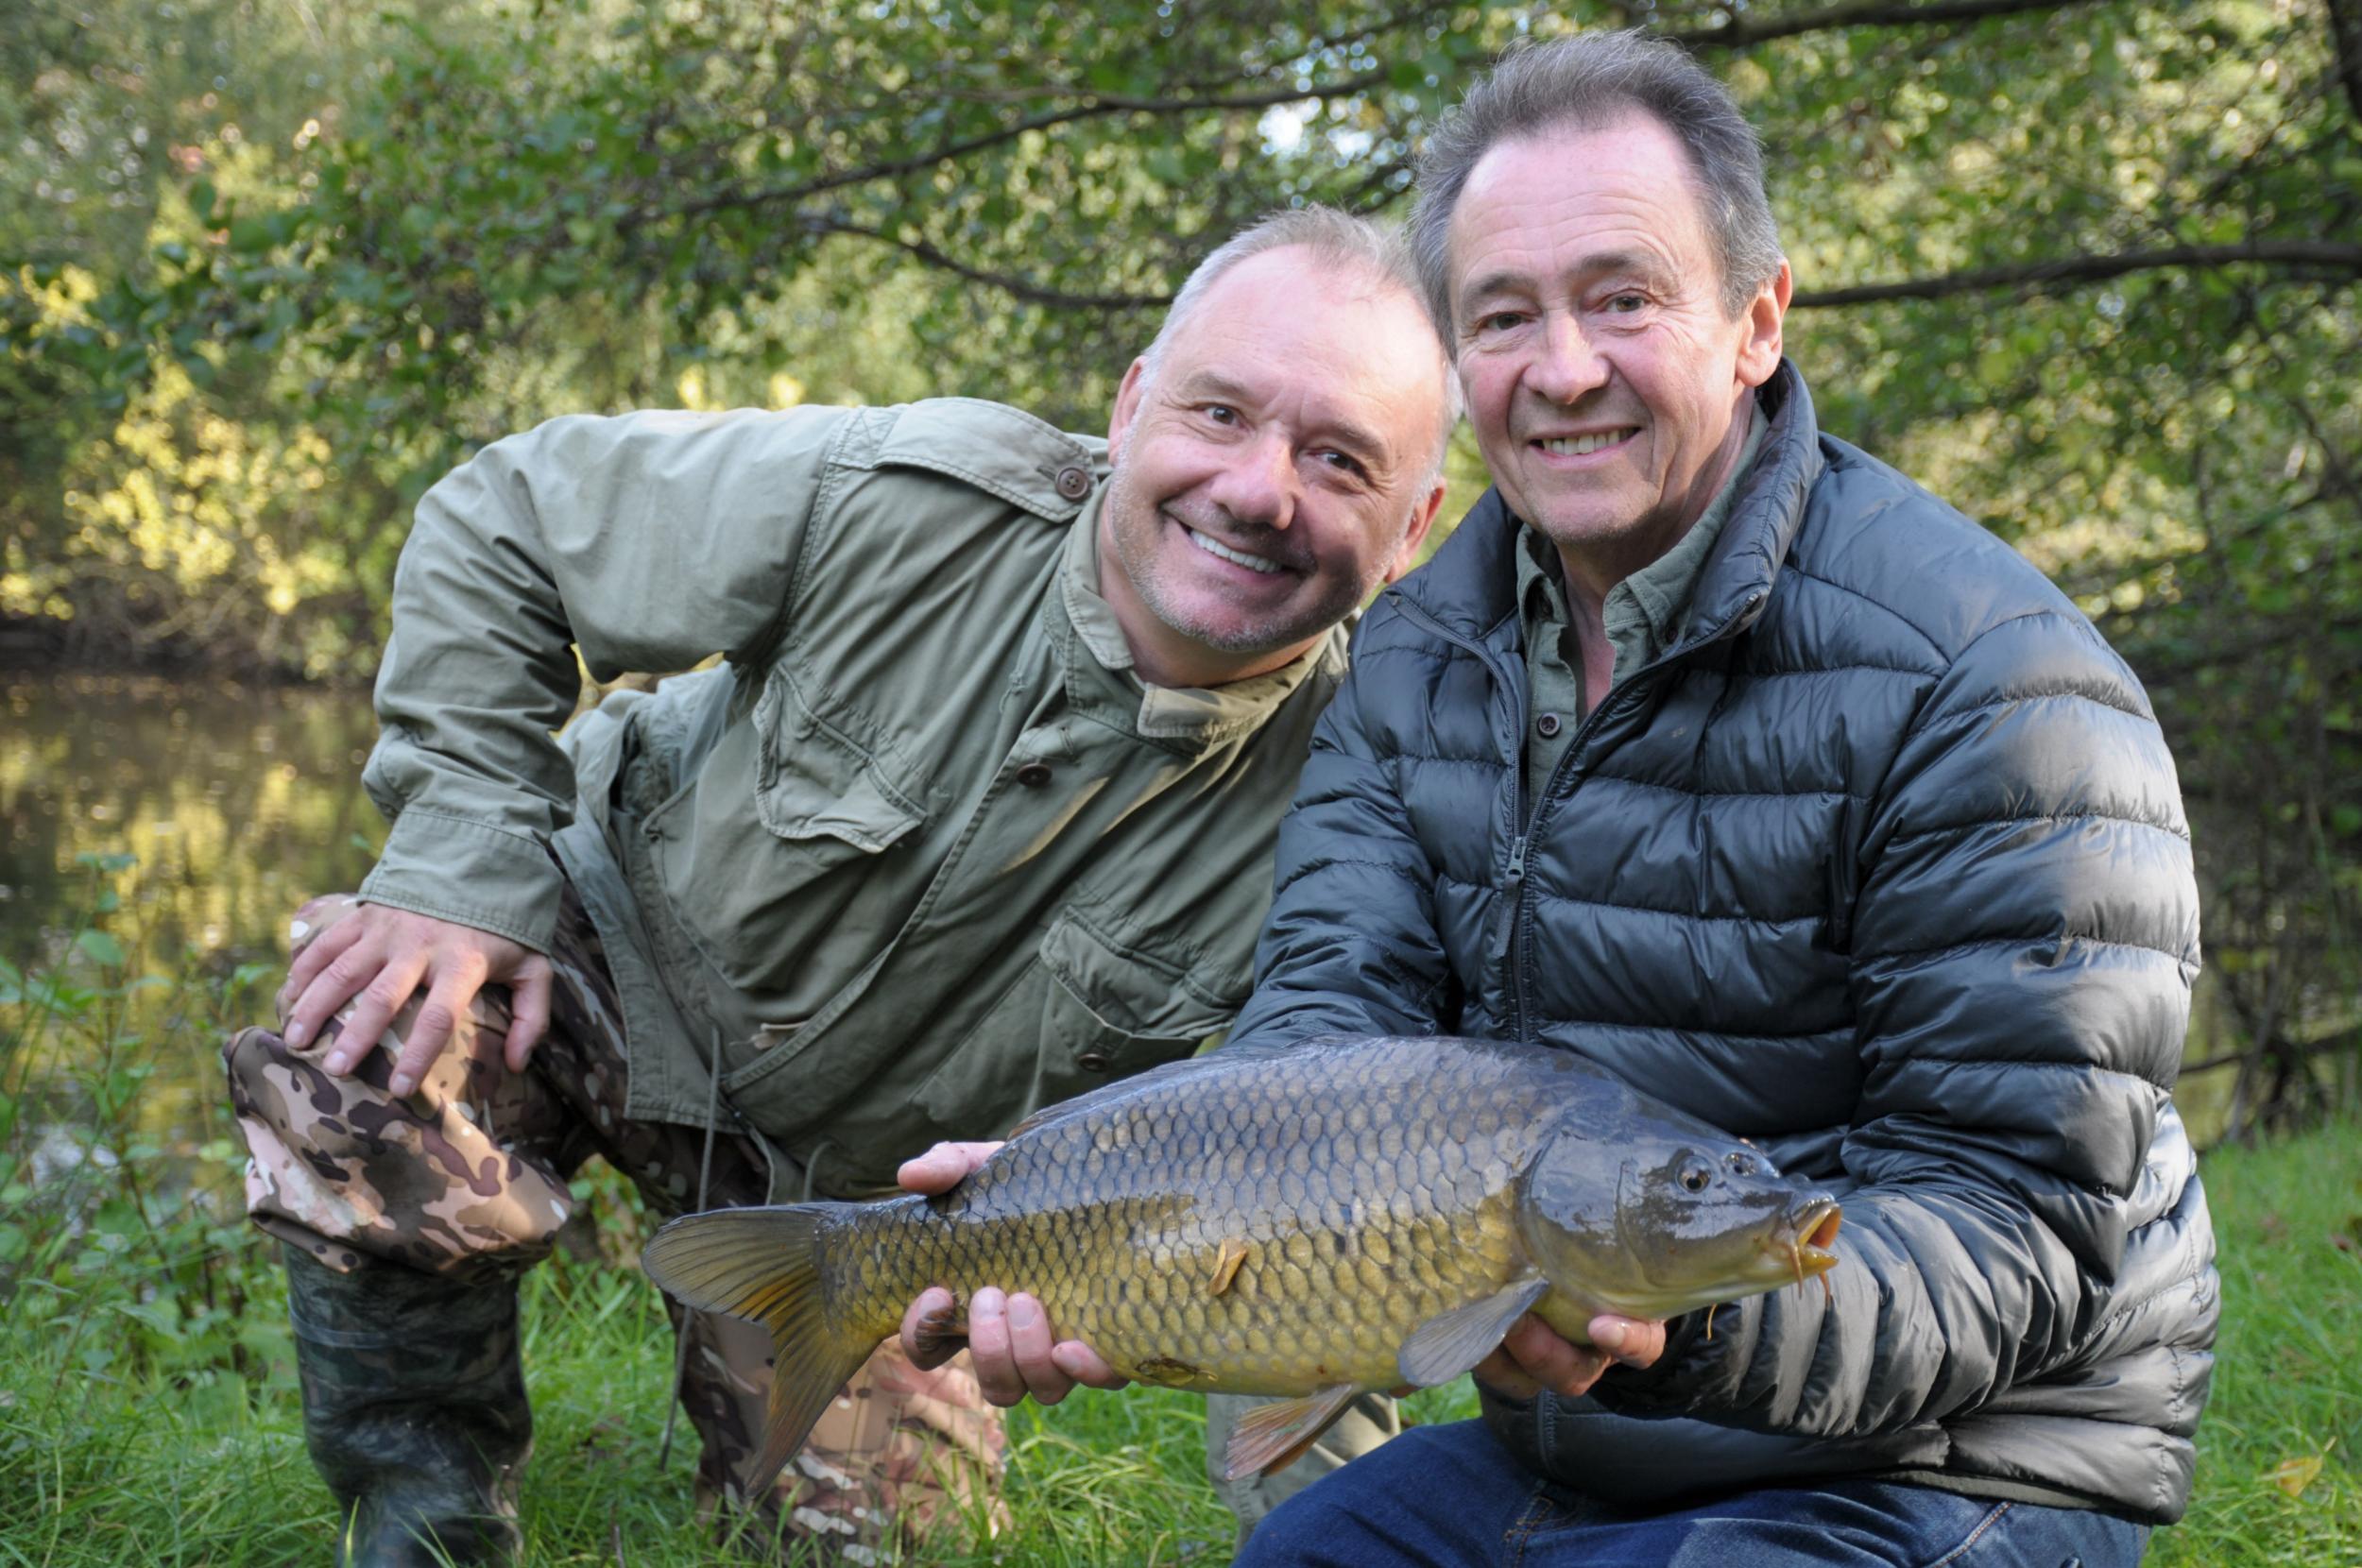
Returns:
<point x="1345" y="431"/>
<point x="1593" y="266"/>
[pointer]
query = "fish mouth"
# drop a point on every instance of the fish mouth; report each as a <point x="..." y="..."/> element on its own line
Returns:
<point x="1811" y="1238"/>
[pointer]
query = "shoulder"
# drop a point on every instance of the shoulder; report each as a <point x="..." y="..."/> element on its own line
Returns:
<point x="1880" y="560"/>
<point x="1004" y="452"/>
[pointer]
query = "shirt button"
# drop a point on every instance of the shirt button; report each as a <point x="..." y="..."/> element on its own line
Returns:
<point x="1034" y="774"/>
<point x="1547" y="725"/>
<point x="1091" y="1061"/>
<point x="1073" y="483"/>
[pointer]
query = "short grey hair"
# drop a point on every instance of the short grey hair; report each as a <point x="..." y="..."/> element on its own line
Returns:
<point x="1587" y="82"/>
<point x="1339" y="241"/>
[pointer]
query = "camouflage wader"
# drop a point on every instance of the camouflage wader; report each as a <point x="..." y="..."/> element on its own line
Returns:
<point x="465" y="1181"/>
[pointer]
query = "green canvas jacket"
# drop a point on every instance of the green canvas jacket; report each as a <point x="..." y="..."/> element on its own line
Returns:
<point x="924" y="853"/>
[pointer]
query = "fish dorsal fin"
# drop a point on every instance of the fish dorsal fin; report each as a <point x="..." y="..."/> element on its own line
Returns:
<point x="1213" y="1060"/>
<point x="1446" y="1345"/>
<point x="1273" y="1437"/>
<point x="1049" y="1115"/>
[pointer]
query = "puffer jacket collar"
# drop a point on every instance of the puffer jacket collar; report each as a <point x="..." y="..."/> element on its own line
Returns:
<point x="1471" y="585"/>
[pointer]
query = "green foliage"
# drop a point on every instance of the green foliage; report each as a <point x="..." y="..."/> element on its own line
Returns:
<point x="2087" y="268"/>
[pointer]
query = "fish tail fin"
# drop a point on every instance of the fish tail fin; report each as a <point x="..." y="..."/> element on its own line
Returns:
<point x="763" y="1264"/>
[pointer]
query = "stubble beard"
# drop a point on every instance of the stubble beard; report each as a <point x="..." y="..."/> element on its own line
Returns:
<point x="1136" y="526"/>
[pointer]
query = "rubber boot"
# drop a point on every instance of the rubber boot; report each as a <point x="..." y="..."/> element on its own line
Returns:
<point x="413" y="1408"/>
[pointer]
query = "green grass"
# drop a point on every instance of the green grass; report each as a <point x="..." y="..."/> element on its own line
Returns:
<point x="2288" y="1365"/>
<point x="148" y="1414"/>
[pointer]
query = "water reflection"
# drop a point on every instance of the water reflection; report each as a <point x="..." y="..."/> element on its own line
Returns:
<point x="236" y="804"/>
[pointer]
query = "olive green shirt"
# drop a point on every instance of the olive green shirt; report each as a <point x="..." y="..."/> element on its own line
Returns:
<point x="1642" y="617"/>
<point x="922" y="856"/>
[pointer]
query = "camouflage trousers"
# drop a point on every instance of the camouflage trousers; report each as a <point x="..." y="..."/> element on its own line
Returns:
<point x="467" y="1179"/>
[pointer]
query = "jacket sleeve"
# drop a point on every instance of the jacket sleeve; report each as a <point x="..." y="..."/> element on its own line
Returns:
<point x="2024" y="938"/>
<point x="649" y="541"/>
<point x="1351" y="945"/>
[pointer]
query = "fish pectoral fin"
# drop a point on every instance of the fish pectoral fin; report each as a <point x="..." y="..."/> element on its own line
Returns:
<point x="1273" y="1437"/>
<point x="762" y="1264"/>
<point x="1447" y="1346"/>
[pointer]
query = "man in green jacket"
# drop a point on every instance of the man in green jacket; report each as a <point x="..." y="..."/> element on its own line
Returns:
<point x="978" y="813"/>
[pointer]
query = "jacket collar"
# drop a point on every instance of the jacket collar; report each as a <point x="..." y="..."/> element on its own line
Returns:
<point x="1084" y="628"/>
<point x="1471" y="585"/>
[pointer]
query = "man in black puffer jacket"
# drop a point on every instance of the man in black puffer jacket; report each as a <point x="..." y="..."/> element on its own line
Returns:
<point x="1720" y="752"/>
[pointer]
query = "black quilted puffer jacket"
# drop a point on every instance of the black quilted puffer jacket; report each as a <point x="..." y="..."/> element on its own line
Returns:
<point x="1882" y="865"/>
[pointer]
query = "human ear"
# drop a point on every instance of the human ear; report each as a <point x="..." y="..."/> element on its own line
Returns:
<point x="1421" y="518"/>
<point x="1759" y="353"/>
<point x="1127" y="406"/>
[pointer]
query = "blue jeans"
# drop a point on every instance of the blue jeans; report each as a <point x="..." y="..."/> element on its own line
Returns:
<point x="1452" y="1497"/>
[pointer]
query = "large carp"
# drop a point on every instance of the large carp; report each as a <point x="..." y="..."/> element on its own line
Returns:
<point x="1312" y="1220"/>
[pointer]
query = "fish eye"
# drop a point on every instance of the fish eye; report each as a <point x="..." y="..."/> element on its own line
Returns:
<point x="1696" y="1175"/>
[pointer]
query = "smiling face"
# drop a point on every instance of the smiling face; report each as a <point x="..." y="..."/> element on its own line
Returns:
<point x="1278" y="465"/>
<point x="1603" y="376"/>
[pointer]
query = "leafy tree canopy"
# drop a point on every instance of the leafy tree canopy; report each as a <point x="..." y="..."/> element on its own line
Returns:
<point x="2086" y="267"/>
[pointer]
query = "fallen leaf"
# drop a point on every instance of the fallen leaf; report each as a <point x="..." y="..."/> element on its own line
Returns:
<point x="2293" y="1475"/>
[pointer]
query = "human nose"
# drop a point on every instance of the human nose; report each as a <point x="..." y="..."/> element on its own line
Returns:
<point x="1258" y="485"/>
<point x="1566" y="367"/>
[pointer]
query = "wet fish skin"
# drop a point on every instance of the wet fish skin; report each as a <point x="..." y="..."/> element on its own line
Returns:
<point x="1333" y="1216"/>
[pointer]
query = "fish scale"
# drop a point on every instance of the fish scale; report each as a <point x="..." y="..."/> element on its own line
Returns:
<point x="1308" y="1223"/>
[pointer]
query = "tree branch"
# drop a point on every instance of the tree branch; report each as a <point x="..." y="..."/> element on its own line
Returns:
<point x="1095" y="107"/>
<point x="1016" y="288"/>
<point x="2072" y="272"/>
<point x="2345" y="48"/>
<point x="1741" y="30"/>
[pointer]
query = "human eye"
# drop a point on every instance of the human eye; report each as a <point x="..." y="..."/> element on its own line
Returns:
<point x="1343" y="462"/>
<point x="1493" y="323"/>
<point x="1221" y="413"/>
<point x="1627" y="301"/>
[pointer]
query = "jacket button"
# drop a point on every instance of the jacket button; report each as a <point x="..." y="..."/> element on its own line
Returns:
<point x="1034" y="774"/>
<point x="1073" y="483"/>
<point x="1091" y="1061"/>
<point x="1547" y="725"/>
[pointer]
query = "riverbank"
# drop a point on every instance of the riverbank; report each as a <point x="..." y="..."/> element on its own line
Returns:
<point x="149" y="1411"/>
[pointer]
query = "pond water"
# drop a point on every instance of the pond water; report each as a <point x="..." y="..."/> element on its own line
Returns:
<point x="233" y="804"/>
<point x="202" y="814"/>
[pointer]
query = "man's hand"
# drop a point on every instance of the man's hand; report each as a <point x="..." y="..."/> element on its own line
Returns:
<point x="1533" y="1356"/>
<point x="1008" y="1335"/>
<point x="384" y="955"/>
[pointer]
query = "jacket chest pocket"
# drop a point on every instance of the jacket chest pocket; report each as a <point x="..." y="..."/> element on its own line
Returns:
<point x="779" y="842"/>
<point x="1084" y="1012"/>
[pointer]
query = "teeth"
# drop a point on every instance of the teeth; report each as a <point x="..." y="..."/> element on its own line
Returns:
<point x="1575" y="446"/>
<point x="1237" y="557"/>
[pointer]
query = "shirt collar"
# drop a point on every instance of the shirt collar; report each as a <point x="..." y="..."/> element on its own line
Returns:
<point x="1191" y="713"/>
<point x="1661" y="592"/>
<point x="1658" y="594"/>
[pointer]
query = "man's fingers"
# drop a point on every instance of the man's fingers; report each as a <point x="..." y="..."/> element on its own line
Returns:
<point x="944" y="1167"/>
<point x="1500" y="1372"/>
<point x="528" y="1013"/>
<point x="314" y="956"/>
<point x="453" y="993"/>
<point x="988" y="1346"/>
<point x="1030" y="1345"/>
<point x="340" y="975"/>
<point x="374" y="1010"/>
<point x="928" y="1337"/>
<point x="1635" y="1341"/>
<point x="1082" y="1363"/>
<point x="1550" y="1360"/>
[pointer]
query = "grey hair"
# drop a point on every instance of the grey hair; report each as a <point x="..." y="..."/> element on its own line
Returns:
<point x="1587" y="82"/>
<point x="1339" y="241"/>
